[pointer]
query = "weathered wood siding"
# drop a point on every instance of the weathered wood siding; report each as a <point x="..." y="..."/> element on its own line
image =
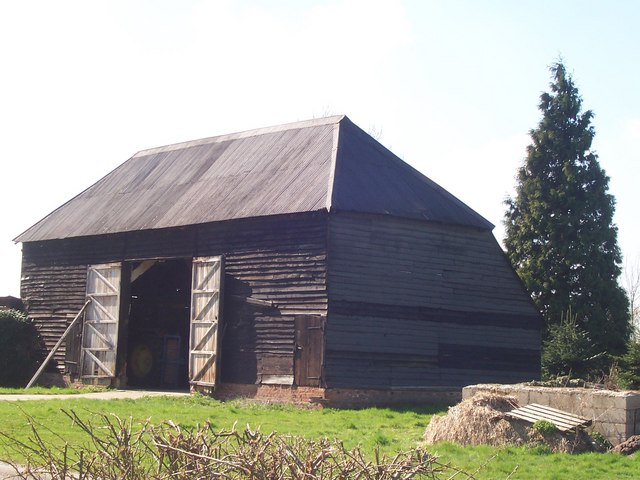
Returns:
<point x="418" y="304"/>
<point x="279" y="260"/>
<point x="53" y="293"/>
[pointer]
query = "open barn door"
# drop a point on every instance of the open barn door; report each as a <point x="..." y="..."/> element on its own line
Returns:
<point x="204" y="337"/>
<point x="100" y="330"/>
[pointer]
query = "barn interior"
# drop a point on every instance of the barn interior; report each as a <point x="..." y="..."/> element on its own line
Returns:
<point x="158" y="326"/>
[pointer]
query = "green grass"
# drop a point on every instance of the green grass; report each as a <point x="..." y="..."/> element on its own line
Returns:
<point x="48" y="390"/>
<point x="392" y="430"/>
<point x="536" y="463"/>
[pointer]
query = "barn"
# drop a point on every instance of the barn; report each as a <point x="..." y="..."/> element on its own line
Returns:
<point x="304" y="261"/>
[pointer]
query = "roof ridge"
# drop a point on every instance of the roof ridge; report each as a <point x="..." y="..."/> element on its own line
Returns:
<point x="332" y="165"/>
<point x="315" y="122"/>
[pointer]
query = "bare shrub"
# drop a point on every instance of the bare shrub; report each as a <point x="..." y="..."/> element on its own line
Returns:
<point x="118" y="449"/>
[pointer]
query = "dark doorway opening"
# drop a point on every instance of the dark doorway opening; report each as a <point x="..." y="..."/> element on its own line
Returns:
<point x="158" y="327"/>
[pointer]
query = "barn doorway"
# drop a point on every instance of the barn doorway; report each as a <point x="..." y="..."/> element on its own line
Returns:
<point x="158" y="324"/>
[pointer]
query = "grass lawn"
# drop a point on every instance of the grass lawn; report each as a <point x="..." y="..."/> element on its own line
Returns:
<point x="524" y="463"/>
<point x="391" y="430"/>
<point x="48" y="390"/>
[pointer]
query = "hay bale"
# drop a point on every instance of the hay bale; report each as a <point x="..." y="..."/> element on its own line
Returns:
<point x="481" y="420"/>
<point x="478" y="420"/>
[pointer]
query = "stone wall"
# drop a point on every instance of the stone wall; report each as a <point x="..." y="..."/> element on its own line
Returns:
<point x="616" y="415"/>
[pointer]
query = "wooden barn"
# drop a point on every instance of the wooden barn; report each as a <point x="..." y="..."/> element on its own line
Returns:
<point x="301" y="260"/>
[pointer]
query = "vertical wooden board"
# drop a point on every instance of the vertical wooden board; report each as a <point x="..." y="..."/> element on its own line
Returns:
<point x="309" y="353"/>
<point x="204" y="336"/>
<point x="100" y="329"/>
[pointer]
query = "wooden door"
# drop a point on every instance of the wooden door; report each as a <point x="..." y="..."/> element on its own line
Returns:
<point x="100" y="328"/>
<point x="204" y="336"/>
<point x="309" y="354"/>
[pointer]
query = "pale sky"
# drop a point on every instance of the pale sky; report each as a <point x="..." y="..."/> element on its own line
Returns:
<point x="450" y="86"/>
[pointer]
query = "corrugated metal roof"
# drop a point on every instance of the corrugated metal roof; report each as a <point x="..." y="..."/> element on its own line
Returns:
<point x="308" y="166"/>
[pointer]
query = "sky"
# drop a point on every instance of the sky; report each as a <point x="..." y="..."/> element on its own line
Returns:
<point x="450" y="86"/>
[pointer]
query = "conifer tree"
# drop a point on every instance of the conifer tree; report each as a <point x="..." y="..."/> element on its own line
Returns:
<point x="560" y="235"/>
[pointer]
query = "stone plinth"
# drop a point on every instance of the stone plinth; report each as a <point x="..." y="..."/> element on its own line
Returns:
<point x="616" y="415"/>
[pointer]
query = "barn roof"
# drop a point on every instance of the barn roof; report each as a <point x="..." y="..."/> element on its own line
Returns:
<point x="324" y="164"/>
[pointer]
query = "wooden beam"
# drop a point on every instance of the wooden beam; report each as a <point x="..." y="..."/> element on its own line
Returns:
<point x="141" y="269"/>
<point x="253" y="301"/>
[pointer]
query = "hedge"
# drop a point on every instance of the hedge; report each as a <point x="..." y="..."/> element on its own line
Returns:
<point x="20" y="349"/>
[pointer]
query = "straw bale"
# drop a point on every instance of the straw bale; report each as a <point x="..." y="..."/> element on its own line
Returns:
<point x="477" y="420"/>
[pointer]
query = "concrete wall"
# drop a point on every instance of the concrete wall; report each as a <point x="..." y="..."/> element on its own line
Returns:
<point x="616" y="415"/>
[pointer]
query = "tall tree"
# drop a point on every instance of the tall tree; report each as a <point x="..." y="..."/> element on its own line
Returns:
<point x="560" y="235"/>
<point x="631" y="283"/>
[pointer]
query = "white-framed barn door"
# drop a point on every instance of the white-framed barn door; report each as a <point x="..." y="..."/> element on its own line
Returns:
<point x="100" y="329"/>
<point x="206" y="316"/>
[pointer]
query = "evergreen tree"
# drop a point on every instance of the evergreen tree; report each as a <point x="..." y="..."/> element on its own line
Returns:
<point x="569" y="351"/>
<point x="560" y="235"/>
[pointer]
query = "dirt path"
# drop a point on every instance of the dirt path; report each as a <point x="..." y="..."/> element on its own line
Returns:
<point x="106" y="395"/>
<point x="7" y="472"/>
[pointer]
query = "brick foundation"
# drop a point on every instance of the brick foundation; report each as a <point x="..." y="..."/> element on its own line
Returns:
<point x="271" y="393"/>
<point x="336" y="397"/>
<point x="355" y="398"/>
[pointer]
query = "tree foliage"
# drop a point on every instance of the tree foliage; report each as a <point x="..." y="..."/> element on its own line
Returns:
<point x="560" y="235"/>
<point x="569" y="351"/>
<point x="631" y="282"/>
<point x="20" y="349"/>
<point x="630" y="366"/>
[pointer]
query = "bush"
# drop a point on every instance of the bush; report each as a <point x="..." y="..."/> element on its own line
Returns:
<point x="544" y="427"/>
<point x="569" y="351"/>
<point x="630" y="367"/>
<point x="601" y="444"/>
<point x="20" y="349"/>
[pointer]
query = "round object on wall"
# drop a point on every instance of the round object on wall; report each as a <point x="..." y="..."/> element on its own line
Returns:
<point x="141" y="361"/>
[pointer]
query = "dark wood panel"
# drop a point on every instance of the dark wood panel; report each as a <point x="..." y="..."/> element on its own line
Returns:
<point x="403" y="262"/>
<point x="384" y="370"/>
<point x="273" y="364"/>
<point x="380" y="370"/>
<point x="53" y="295"/>
<point x="436" y="315"/>
<point x="483" y="357"/>
<point x="416" y="304"/>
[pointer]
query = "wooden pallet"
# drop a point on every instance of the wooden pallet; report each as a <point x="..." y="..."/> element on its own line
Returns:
<point x="562" y="420"/>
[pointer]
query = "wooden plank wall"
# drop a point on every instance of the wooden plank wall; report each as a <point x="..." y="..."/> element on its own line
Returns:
<point x="274" y="260"/>
<point x="414" y="304"/>
<point x="53" y="295"/>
